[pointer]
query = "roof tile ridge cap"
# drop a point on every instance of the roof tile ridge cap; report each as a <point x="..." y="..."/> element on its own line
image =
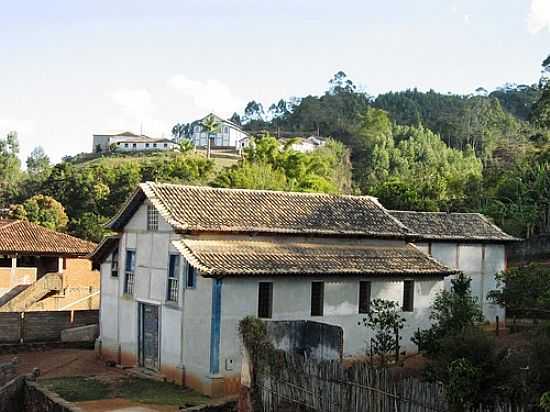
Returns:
<point x="243" y="190"/>
<point x="410" y="232"/>
<point x="486" y="220"/>
<point x="188" y="253"/>
<point x="10" y="224"/>
<point x="426" y="212"/>
<point x="434" y="260"/>
<point x="151" y="192"/>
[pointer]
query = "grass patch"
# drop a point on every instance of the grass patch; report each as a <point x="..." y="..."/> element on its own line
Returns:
<point x="79" y="389"/>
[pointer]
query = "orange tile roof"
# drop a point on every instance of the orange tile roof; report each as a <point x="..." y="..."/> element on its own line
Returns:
<point x="20" y="237"/>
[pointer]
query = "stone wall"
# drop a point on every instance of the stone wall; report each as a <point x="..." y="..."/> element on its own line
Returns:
<point x="23" y="395"/>
<point x="42" y="326"/>
<point x="38" y="399"/>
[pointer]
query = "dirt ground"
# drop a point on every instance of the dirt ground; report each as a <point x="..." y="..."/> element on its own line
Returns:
<point x="61" y="362"/>
<point x="122" y="405"/>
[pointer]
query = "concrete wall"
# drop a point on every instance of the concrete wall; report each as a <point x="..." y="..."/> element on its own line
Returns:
<point x="479" y="261"/>
<point x="313" y="339"/>
<point x="42" y="326"/>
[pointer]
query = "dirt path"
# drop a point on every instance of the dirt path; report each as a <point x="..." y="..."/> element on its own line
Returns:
<point x="61" y="362"/>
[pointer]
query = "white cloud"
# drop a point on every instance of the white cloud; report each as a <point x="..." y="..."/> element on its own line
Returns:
<point x="467" y="19"/>
<point x="138" y="112"/>
<point x="209" y="95"/>
<point x="134" y="102"/>
<point x="539" y="16"/>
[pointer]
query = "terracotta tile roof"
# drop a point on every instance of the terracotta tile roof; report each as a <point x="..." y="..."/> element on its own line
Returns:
<point x="452" y="226"/>
<point x="206" y="209"/>
<point x="305" y="256"/>
<point x="26" y="238"/>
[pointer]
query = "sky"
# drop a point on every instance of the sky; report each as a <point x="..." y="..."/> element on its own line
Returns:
<point x="72" y="68"/>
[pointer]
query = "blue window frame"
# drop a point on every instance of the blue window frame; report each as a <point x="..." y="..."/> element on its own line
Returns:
<point x="130" y="272"/>
<point x="173" y="277"/>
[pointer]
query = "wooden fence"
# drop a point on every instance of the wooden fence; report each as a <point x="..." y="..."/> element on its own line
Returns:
<point x="290" y="382"/>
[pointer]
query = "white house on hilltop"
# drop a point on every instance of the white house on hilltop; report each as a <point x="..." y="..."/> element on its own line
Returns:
<point x="229" y="135"/>
<point x="130" y="142"/>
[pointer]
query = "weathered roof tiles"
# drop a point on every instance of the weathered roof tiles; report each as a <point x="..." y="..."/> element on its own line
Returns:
<point x="25" y="238"/>
<point x="452" y="226"/>
<point x="206" y="209"/>
<point x="300" y="257"/>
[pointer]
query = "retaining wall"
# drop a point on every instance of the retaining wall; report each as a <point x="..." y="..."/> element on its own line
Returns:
<point x="25" y="327"/>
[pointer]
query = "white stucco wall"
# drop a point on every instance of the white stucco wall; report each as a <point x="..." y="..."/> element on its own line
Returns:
<point x="479" y="261"/>
<point x="291" y="301"/>
<point x="184" y="342"/>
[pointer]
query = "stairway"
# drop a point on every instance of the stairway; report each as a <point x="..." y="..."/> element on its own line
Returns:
<point x="12" y="293"/>
<point x="51" y="282"/>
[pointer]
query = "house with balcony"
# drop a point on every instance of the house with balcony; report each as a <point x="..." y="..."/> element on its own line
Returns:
<point x="41" y="269"/>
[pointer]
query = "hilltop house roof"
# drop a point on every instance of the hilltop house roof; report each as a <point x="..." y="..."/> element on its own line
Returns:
<point x="206" y="209"/>
<point x="305" y="256"/>
<point x="221" y="120"/>
<point x="452" y="226"/>
<point x="19" y="237"/>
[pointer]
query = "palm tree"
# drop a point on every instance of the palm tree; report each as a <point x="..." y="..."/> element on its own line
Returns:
<point x="211" y="125"/>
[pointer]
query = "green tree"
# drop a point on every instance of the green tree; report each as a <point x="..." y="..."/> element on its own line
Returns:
<point x="385" y="321"/>
<point x="453" y="313"/>
<point x="42" y="210"/>
<point x="10" y="168"/>
<point x="181" y="130"/>
<point x="526" y="290"/>
<point x="212" y="126"/>
<point x="540" y="114"/>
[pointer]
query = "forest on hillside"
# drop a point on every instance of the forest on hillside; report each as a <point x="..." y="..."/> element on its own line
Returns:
<point x="487" y="152"/>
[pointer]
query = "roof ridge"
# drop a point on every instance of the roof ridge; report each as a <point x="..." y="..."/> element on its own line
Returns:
<point x="435" y="213"/>
<point x="286" y="193"/>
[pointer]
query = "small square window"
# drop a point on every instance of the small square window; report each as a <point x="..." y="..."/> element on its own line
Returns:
<point x="165" y="144"/>
<point x="125" y="144"/>
<point x="146" y="144"/>
<point x="154" y="145"/>
<point x="152" y="219"/>
<point x="134" y="145"/>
